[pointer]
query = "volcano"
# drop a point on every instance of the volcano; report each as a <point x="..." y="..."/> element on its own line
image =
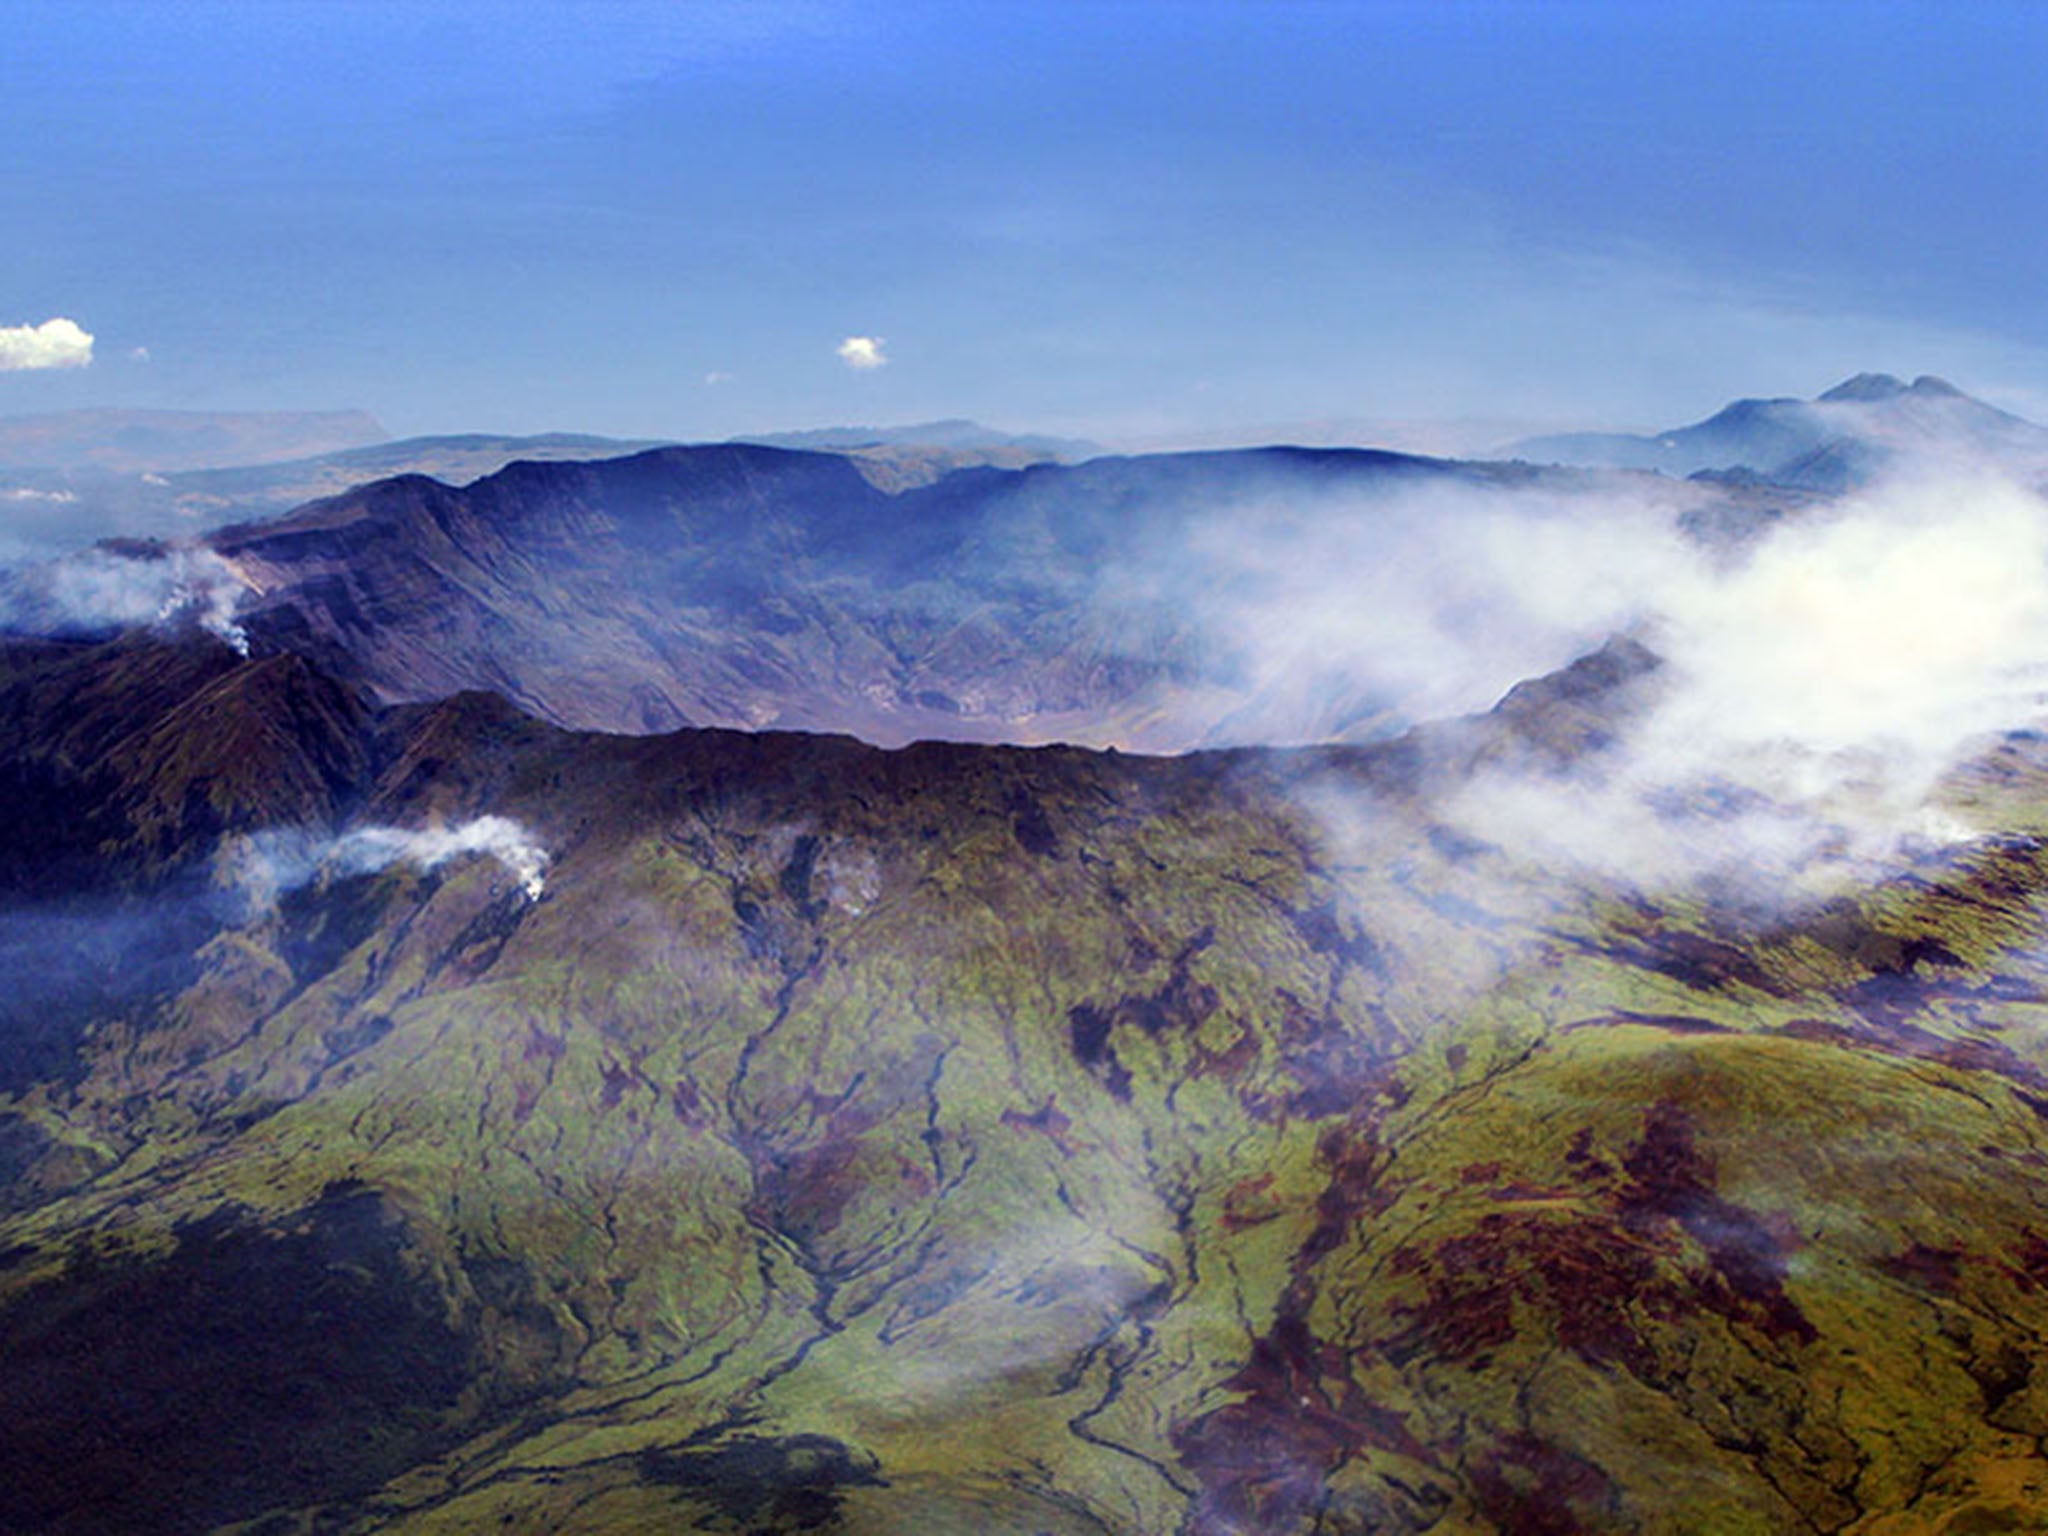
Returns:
<point x="453" y="1079"/>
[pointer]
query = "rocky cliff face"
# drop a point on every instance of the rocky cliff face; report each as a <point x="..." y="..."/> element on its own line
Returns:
<point x="970" y="1138"/>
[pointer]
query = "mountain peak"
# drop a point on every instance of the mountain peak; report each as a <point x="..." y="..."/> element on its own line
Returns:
<point x="1797" y="444"/>
<point x="1870" y="386"/>
<point x="1929" y="384"/>
<point x="1885" y="386"/>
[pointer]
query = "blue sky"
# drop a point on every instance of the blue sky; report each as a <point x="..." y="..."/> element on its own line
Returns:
<point x="1130" y="221"/>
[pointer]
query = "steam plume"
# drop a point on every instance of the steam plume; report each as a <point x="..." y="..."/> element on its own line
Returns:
<point x="117" y="586"/>
<point x="284" y="859"/>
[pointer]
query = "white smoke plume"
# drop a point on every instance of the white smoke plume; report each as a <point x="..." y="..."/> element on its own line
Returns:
<point x="373" y="848"/>
<point x="282" y="859"/>
<point x="1827" y="684"/>
<point x="111" y="587"/>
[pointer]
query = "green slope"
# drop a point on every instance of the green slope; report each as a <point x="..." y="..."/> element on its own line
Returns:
<point x="977" y="1139"/>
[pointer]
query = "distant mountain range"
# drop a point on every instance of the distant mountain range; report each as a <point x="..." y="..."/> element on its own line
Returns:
<point x="137" y="442"/>
<point x="898" y="458"/>
<point x="125" y="442"/>
<point x="1842" y="438"/>
<point x="953" y="433"/>
<point x="243" y="491"/>
<point x="69" y="478"/>
<point x="46" y="512"/>
<point x="898" y="585"/>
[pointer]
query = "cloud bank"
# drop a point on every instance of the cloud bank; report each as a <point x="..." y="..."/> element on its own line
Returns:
<point x="1820" y="690"/>
<point x="56" y="343"/>
<point x="1819" y="680"/>
<point x="1421" y="602"/>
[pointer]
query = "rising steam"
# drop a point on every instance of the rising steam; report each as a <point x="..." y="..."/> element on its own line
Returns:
<point x="283" y="859"/>
<point x="116" y="586"/>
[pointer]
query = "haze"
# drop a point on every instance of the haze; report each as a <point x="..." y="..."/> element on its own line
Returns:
<point x="1140" y="222"/>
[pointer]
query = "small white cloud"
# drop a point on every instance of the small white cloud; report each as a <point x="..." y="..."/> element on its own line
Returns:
<point x="716" y="377"/>
<point x="139" y="354"/>
<point x="862" y="352"/>
<point x="57" y="343"/>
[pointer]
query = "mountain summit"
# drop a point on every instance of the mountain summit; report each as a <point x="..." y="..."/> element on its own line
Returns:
<point x="1844" y="437"/>
<point x="1885" y="386"/>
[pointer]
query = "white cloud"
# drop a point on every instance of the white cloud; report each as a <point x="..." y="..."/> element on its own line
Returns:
<point x="1430" y="600"/>
<point x="1819" y="681"/>
<point x="862" y="352"/>
<point x="58" y="343"/>
<point x="139" y="354"/>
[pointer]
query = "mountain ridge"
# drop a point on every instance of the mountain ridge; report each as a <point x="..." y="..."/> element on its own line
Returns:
<point x="97" y="494"/>
<point x="750" y="586"/>
<point x="136" y="441"/>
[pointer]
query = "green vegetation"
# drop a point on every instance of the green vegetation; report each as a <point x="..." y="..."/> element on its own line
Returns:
<point x="991" y="1140"/>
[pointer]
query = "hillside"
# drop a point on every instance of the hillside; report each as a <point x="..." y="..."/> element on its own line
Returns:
<point x="970" y="1138"/>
